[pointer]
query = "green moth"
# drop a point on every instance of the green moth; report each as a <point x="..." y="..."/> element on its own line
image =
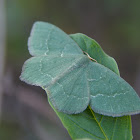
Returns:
<point x="71" y="77"/>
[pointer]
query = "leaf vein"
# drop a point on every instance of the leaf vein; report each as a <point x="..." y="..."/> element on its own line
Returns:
<point x="98" y="123"/>
<point x="84" y="129"/>
<point x="114" y="129"/>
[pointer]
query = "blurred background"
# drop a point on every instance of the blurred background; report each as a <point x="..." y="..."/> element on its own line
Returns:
<point x="114" y="24"/>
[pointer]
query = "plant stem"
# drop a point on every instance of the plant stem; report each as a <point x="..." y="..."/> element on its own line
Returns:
<point x="2" y="48"/>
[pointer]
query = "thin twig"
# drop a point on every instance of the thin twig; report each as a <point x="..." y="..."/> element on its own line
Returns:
<point x="2" y="47"/>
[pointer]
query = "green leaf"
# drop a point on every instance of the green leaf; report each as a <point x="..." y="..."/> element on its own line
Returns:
<point x="90" y="46"/>
<point x="71" y="79"/>
<point x="89" y="125"/>
<point x="95" y="126"/>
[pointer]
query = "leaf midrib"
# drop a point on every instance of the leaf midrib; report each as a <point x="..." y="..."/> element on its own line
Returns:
<point x="98" y="123"/>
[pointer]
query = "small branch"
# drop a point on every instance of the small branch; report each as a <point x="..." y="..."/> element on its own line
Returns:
<point x="2" y="47"/>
